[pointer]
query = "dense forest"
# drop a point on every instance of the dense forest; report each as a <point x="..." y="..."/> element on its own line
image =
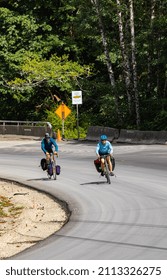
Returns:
<point x="114" y="51"/>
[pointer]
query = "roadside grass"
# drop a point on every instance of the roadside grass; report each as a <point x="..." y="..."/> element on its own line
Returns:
<point x="8" y="209"/>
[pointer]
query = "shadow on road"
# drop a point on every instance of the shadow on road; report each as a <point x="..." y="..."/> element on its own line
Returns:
<point x="39" y="179"/>
<point x="94" y="183"/>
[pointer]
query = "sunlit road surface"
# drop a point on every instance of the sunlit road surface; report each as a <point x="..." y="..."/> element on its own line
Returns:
<point x="124" y="220"/>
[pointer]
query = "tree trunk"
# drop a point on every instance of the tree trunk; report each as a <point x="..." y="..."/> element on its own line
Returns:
<point x="126" y="66"/>
<point x="134" y="65"/>
<point x="152" y="16"/>
<point x="106" y="52"/>
<point x="164" y="94"/>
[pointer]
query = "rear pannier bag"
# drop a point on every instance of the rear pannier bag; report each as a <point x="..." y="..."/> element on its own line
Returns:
<point x="43" y="164"/>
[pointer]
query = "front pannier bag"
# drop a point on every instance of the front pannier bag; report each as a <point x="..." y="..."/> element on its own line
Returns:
<point x="97" y="164"/>
<point x="58" y="168"/>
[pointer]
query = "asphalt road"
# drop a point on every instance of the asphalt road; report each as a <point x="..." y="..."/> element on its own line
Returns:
<point x="124" y="220"/>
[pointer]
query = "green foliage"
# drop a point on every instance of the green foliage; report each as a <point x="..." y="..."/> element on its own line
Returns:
<point x="49" y="47"/>
<point x="158" y="123"/>
<point x="57" y="71"/>
<point x="73" y="134"/>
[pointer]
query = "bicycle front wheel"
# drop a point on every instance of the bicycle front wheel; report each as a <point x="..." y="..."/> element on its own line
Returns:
<point x="107" y="175"/>
<point x="49" y="170"/>
<point x="54" y="171"/>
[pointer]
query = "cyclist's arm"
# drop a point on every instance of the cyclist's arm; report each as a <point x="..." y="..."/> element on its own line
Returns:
<point x="55" y="144"/>
<point x="43" y="147"/>
<point x="97" y="150"/>
<point x="110" y="149"/>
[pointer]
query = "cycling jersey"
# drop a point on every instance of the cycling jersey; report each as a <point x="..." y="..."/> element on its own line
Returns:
<point x="104" y="149"/>
<point x="47" y="146"/>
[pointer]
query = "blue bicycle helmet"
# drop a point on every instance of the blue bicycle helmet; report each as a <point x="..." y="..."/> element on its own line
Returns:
<point x="103" y="137"/>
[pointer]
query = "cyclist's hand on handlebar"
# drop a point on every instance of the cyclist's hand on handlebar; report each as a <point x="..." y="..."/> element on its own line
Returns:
<point x="47" y="153"/>
<point x="56" y="154"/>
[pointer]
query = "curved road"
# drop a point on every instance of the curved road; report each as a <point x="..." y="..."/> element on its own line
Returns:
<point x="124" y="220"/>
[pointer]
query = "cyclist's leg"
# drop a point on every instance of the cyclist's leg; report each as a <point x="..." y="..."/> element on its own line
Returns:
<point x="102" y="164"/>
<point x="109" y="163"/>
<point x="47" y="157"/>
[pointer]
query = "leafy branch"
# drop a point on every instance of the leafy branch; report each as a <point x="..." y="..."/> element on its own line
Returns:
<point x="57" y="71"/>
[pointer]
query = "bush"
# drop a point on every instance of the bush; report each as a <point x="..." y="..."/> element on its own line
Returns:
<point x="70" y="125"/>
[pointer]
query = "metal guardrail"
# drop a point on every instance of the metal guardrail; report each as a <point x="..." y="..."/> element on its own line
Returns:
<point x="4" y="122"/>
<point x="28" y="128"/>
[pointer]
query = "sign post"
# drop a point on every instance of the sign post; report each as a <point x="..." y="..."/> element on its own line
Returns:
<point x="76" y="100"/>
<point x="63" y="111"/>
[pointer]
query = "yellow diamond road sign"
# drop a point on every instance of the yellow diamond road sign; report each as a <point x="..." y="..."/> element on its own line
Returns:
<point x="63" y="111"/>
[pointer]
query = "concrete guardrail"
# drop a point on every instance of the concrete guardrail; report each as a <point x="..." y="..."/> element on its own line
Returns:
<point x="94" y="132"/>
<point x="142" y="137"/>
<point x="127" y="136"/>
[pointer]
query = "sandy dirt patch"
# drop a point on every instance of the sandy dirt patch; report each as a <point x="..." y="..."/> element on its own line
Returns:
<point x="27" y="216"/>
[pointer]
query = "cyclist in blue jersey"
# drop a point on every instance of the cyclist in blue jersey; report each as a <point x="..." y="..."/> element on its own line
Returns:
<point x="47" y="145"/>
<point x="104" y="148"/>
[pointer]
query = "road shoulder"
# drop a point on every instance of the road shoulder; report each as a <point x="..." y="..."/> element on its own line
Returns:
<point x="29" y="217"/>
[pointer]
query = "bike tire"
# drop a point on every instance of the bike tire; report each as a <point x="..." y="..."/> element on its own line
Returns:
<point x="50" y="170"/>
<point x="54" y="170"/>
<point x="54" y="173"/>
<point x="113" y="163"/>
<point x="107" y="175"/>
<point x="49" y="176"/>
